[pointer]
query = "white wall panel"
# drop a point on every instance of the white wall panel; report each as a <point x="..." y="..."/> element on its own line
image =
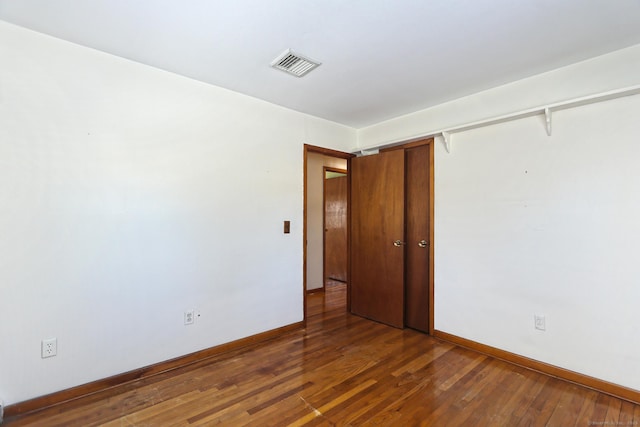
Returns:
<point x="529" y="224"/>
<point x="129" y="195"/>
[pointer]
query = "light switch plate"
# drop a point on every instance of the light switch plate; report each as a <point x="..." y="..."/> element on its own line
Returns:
<point x="540" y="322"/>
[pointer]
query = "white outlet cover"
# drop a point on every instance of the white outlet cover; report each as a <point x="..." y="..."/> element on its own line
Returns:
<point x="189" y="317"/>
<point x="49" y="347"/>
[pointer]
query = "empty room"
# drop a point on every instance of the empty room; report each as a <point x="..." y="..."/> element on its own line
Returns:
<point x="305" y="212"/>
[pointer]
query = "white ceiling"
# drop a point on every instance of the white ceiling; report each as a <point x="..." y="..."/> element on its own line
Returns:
<point x="380" y="58"/>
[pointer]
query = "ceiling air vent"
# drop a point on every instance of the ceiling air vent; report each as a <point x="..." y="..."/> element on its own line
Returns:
<point x="294" y="64"/>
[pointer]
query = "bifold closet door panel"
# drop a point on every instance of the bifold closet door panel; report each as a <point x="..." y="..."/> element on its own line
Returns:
<point x="417" y="229"/>
<point x="377" y="237"/>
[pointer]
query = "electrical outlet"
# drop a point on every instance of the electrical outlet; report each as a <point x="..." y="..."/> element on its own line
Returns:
<point x="539" y="322"/>
<point x="49" y="347"/>
<point x="189" y="317"/>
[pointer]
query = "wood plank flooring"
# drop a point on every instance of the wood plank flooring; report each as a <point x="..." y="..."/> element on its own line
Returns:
<point x="345" y="371"/>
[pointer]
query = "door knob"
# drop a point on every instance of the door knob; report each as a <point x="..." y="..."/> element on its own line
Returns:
<point x="423" y="243"/>
<point x="398" y="243"/>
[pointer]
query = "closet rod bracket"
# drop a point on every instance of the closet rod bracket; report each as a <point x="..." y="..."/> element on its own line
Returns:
<point x="547" y="117"/>
<point x="446" y="137"/>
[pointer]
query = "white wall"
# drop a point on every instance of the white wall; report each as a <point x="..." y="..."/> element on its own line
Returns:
<point x="315" y="214"/>
<point x="128" y="195"/>
<point x="529" y="224"/>
<point x="526" y="223"/>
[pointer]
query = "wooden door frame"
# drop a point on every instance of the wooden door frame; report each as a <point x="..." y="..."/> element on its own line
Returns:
<point x="324" y="224"/>
<point x="331" y="153"/>
<point x="410" y="144"/>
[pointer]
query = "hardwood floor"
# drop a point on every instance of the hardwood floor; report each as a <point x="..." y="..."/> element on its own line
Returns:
<point x="345" y="370"/>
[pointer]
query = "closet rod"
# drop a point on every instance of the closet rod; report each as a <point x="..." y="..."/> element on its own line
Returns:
<point x="547" y="110"/>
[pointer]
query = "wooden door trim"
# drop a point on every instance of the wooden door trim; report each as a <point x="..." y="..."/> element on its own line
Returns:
<point x="328" y="152"/>
<point x="332" y="169"/>
<point x="324" y="224"/>
<point x="332" y="153"/>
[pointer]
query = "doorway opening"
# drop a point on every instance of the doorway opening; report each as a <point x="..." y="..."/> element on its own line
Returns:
<point x="325" y="171"/>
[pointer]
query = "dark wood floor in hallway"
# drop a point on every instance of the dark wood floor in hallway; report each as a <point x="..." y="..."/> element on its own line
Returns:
<point x="345" y="371"/>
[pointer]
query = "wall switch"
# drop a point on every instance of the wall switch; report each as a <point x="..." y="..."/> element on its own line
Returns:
<point x="189" y="317"/>
<point x="540" y="322"/>
<point x="287" y="227"/>
<point x="49" y="347"/>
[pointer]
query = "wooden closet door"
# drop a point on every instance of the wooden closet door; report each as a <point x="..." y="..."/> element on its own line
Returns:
<point x="377" y="225"/>
<point x="417" y="250"/>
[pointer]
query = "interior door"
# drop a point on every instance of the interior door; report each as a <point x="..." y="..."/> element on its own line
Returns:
<point x="377" y="237"/>
<point x="335" y="226"/>
<point x="417" y="229"/>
